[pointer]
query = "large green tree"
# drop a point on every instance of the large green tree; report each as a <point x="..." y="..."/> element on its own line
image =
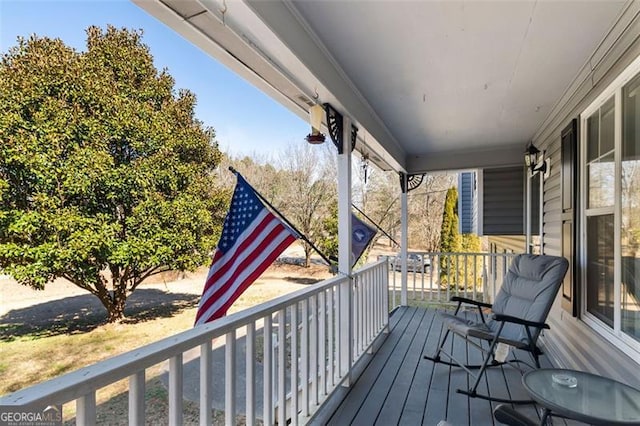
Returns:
<point x="105" y="173"/>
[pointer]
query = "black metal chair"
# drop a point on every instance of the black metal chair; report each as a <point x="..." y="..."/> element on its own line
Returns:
<point x="517" y="318"/>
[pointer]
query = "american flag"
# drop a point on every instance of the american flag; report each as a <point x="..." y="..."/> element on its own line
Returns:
<point x="252" y="238"/>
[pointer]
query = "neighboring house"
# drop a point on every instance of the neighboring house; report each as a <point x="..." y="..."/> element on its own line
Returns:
<point x="468" y="203"/>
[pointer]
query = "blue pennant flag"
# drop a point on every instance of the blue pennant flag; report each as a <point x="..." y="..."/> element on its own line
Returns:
<point x="361" y="236"/>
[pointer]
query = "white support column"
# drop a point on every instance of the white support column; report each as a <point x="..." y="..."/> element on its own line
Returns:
<point x="527" y="204"/>
<point x="344" y="249"/>
<point x="541" y="211"/>
<point x="404" y="239"/>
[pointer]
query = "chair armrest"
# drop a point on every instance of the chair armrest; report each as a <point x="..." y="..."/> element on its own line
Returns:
<point x="470" y="301"/>
<point x="515" y="320"/>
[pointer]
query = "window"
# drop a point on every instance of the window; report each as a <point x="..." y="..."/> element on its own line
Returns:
<point x="610" y="157"/>
<point x="630" y="211"/>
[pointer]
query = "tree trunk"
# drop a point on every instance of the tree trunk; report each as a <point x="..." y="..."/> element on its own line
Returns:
<point x="114" y="301"/>
<point x="118" y="299"/>
<point x="307" y="256"/>
<point x="116" y="308"/>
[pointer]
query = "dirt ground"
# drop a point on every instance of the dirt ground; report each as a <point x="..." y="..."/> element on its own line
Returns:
<point x="280" y="278"/>
<point x="15" y="296"/>
<point x="63" y="309"/>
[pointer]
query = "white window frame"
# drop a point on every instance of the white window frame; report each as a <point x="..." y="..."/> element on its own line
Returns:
<point x="622" y="341"/>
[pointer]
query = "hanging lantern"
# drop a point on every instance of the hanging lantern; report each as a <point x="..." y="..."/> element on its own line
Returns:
<point x="316" y="113"/>
<point x="531" y="156"/>
<point x="535" y="160"/>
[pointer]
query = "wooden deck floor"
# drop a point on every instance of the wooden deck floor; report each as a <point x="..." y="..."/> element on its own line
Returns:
<point x="400" y="387"/>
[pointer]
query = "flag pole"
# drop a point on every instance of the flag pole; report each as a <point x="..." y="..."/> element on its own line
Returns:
<point x="304" y="237"/>
<point x="375" y="224"/>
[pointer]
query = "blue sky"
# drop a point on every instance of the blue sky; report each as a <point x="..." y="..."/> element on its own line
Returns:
<point x="246" y="121"/>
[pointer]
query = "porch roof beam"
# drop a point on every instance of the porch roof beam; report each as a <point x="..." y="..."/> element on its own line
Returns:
<point x="464" y="160"/>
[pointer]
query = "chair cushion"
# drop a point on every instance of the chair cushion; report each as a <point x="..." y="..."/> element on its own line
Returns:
<point x="528" y="292"/>
<point x="468" y="328"/>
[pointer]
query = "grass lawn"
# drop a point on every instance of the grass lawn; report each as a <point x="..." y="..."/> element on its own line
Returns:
<point x="27" y="361"/>
<point x="32" y="354"/>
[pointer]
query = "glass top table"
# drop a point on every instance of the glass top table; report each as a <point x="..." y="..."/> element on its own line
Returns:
<point x="583" y="396"/>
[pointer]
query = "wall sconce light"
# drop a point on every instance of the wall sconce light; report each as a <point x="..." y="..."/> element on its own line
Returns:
<point x="535" y="160"/>
<point x="316" y="113"/>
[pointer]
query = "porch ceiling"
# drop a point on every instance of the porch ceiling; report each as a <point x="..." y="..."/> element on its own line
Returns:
<point x="431" y="85"/>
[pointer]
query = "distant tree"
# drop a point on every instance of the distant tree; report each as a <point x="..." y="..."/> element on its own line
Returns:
<point x="309" y="191"/>
<point x="468" y="267"/>
<point x="328" y="242"/>
<point x="105" y="174"/>
<point x="379" y="198"/>
<point x="426" y="206"/>
<point x="471" y="243"/>
<point x="262" y="175"/>
<point x="450" y="241"/>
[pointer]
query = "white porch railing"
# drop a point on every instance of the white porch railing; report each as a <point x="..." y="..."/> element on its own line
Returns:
<point x="309" y="323"/>
<point x="470" y="275"/>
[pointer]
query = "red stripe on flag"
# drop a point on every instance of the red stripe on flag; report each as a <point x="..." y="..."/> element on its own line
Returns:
<point x="239" y="287"/>
<point x="227" y="285"/>
<point x="235" y="258"/>
<point x="222" y="311"/>
<point x="235" y="251"/>
<point x="237" y="268"/>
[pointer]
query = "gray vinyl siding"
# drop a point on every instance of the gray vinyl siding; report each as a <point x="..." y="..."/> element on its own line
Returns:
<point x="571" y="342"/>
<point x="503" y="201"/>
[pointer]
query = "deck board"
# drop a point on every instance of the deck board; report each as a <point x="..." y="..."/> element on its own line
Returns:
<point x="415" y="404"/>
<point x="370" y="409"/>
<point x="391" y="409"/>
<point x="457" y="403"/>
<point x="400" y="387"/>
<point x="360" y="390"/>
